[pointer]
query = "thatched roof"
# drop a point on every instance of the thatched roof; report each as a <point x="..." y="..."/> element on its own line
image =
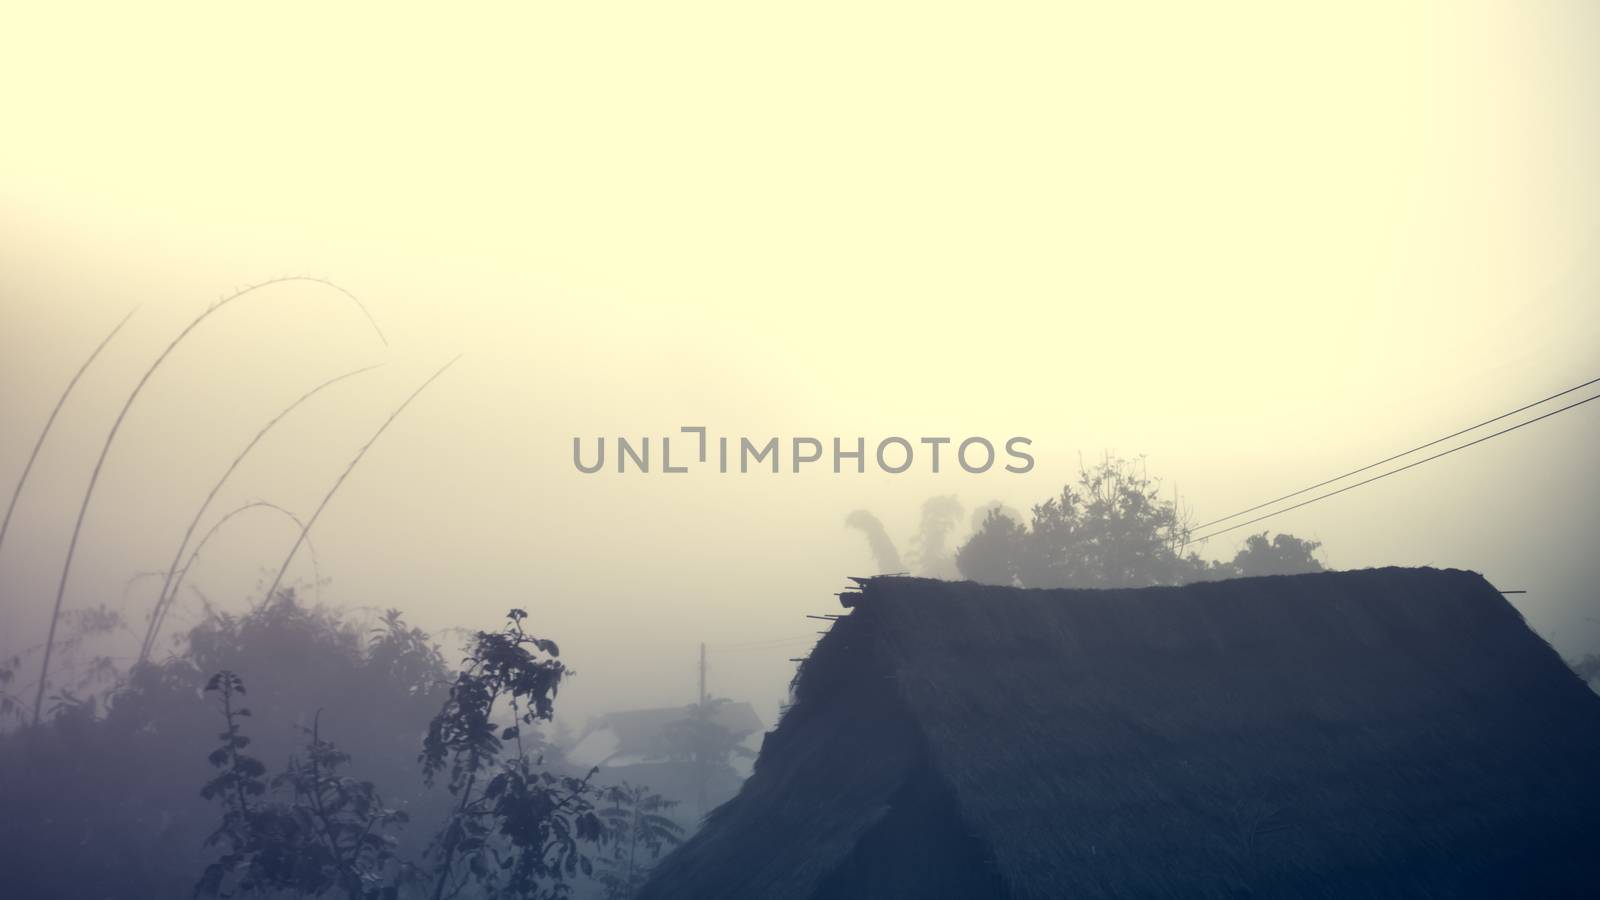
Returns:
<point x="1381" y="733"/>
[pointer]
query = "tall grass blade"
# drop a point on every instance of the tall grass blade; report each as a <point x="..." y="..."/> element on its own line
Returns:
<point x="5" y="525"/>
<point x="194" y="555"/>
<point x="94" y="477"/>
<point x="167" y="592"/>
<point x="346" y="473"/>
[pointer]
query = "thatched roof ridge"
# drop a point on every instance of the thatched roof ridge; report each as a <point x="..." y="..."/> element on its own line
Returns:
<point x="1388" y="732"/>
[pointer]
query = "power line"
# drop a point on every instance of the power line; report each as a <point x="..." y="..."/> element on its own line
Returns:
<point x="1390" y="459"/>
<point x="776" y="643"/>
<point x="772" y="647"/>
<point x="762" y="644"/>
<point x="1391" y="471"/>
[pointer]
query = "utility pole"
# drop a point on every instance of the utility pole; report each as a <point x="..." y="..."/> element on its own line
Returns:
<point x="702" y="674"/>
<point x="700" y="773"/>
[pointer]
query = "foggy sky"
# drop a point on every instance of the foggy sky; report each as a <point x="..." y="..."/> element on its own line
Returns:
<point x="1258" y="246"/>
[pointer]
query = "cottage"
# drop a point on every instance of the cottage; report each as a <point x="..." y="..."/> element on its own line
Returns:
<point x="1379" y="733"/>
<point x="637" y="736"/>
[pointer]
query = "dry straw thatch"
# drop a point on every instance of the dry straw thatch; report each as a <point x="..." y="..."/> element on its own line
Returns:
<point x="1380" y="733"/>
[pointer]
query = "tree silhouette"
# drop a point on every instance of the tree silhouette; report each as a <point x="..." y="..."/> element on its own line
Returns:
<point x="1285" y="554"/>
<point x="516" y="830"/>
<point x="706" y="745"/>
<point x="1113" y="529"/>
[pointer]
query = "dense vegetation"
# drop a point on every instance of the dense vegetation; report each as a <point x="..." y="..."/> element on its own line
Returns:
<point x="1111" y="529"/>
<point x="325" y="737"/>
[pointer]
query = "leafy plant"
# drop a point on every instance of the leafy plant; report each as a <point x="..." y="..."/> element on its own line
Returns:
<point x="239" y="782"/>
<point x="346" y="821"/>
<point x="119" y="777"/>
<point x="637" y="820"/>
<point x="330" y="836"/>
<point x="404" y="655"/>
<point x="517" y="830"/>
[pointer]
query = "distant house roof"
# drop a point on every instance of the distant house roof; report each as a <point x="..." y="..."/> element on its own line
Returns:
<point x="1388" y="733"/>
<point x="633" y="736"/>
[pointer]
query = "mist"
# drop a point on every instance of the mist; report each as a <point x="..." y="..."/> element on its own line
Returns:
<point x="1251" y="248"/>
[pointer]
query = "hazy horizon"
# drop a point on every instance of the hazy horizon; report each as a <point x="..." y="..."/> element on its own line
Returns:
<point x="1255" y="263"/>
